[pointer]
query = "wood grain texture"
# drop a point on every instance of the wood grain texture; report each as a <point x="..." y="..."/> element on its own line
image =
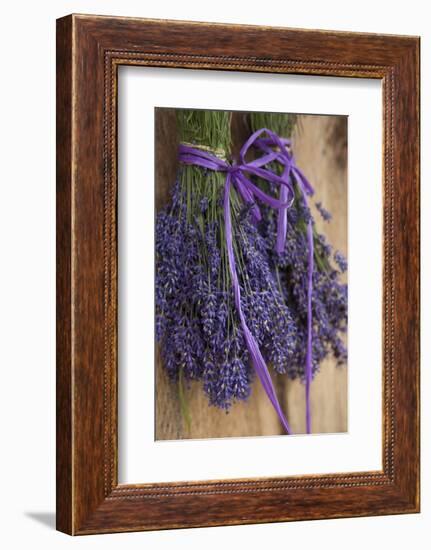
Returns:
<point x="90" y="49"/>
<point x="64" y="496"/>
<point x="320" y="147"/>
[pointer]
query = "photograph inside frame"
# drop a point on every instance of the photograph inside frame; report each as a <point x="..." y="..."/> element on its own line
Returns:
<point x="251" y="294"/>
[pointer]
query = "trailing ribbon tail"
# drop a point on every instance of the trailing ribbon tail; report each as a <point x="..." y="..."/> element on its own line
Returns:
<point x="253" y="348"/>
<point x="309" y="356"/>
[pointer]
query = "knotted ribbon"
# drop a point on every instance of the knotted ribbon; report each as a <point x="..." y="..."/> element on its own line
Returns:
<point x="274" y="148"/>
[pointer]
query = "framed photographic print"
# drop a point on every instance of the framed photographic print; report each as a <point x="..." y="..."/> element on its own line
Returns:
<point x="237" y="274"/>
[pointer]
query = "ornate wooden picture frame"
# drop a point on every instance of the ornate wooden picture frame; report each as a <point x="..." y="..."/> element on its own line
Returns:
<point x="89" y="51"/>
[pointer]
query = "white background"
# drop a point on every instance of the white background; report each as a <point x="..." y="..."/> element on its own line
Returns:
<point x="141" y="458"/>
<point x="27" y="122"/>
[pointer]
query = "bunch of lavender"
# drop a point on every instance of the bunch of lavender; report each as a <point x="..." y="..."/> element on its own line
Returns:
<point x="197" y="324"/>
<point x="329" y="297"/>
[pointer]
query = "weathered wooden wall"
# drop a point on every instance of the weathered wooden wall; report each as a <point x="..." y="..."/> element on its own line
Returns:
<point x="320" y="146"/>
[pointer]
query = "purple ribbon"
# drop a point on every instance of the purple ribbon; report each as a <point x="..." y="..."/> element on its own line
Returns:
<point x="236" y="174"/>
<point x="285" y="157"/>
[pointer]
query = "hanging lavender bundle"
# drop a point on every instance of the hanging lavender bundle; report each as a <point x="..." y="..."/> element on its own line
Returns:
<point x="200" y="282"/>
<point x="290" y="263"/>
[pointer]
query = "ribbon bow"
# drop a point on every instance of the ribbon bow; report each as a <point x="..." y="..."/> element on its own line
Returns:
<point x="274" y="148"/>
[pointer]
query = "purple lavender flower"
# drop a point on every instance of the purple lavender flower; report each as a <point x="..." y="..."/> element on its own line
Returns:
<point x="227" y="373"/>
<point x="329" y="299"/>
<point x="341" y="261"/>
<point x="197" y="322"/>
<point x="327" y="216"/>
